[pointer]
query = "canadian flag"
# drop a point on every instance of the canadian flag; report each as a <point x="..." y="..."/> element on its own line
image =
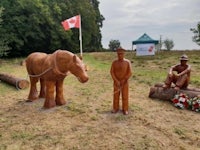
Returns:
<point x="73" y="22"/>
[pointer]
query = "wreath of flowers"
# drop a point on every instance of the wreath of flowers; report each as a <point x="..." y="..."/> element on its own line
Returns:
<point x="182" y="101"/>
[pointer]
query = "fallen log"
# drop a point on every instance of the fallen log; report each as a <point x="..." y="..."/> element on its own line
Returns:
<point x="23" y="63"/>
<point x="157" y="91"/>
<point x="17" y="82"/>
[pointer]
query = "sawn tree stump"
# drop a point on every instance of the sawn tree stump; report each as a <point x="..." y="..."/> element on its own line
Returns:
<point x="17" y="82"/>
<point x="167" y="94"/>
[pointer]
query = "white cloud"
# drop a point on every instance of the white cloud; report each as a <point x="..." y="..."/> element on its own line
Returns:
<point x="127" y="20"/>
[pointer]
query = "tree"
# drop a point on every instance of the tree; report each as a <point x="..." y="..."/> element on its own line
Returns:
<point x="168" y="44"/>
<point x="36" y="25"/>
<point x="95" y="42"/>
<point x="196" y="37"/>
<point x="114" y="44"/>
<point x="3" y="44"/>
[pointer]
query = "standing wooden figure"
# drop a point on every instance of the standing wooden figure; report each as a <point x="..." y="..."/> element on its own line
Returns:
<point x="120" y="72"/>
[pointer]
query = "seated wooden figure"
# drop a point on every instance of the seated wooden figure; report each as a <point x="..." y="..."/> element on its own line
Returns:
<point x="121" y="72"/>
<point x="51" y="70"/>
<point x="179" y="75"/>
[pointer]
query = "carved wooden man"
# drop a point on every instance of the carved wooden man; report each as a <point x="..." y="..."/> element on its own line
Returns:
<point x="120" y="72"/>
<point x="181" y="77"/>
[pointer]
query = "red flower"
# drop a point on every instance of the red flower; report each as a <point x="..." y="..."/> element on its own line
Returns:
<point x="196" y="106"/>
<point x="186" y="104"/>
<point x="175" y="101"/>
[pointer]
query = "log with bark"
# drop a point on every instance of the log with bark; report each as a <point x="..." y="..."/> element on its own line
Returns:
<point x="17" y="82"/>
<point x="157" y="91"/>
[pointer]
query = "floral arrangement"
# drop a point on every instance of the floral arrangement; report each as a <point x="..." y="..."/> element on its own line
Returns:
<point x="182" y="101"/>
<point x="195" y="104"/>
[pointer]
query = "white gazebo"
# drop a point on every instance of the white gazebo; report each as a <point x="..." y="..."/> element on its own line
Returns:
<point x="145" y="45"/>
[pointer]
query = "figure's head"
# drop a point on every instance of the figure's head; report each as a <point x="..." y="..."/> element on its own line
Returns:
<point x="184" y="59"/>
<point x="120" y="53"/>
<point x="78" y="69"/>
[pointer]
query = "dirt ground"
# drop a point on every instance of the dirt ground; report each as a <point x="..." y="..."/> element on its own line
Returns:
<point x="86" y="121"/>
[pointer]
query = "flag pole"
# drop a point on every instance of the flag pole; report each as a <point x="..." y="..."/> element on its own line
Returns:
<point x="80" y="38"/>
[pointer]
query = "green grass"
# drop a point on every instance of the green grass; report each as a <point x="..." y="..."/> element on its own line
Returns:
<point x="146" y="69"/>
<point x="96" y="64"/>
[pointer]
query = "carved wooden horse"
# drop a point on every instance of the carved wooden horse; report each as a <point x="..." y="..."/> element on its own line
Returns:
<point x="51" y="70"/>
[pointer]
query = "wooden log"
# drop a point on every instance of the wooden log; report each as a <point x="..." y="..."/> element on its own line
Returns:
<point x="17" y="82"/>
<point x="167" y="94"/>
<point x="23" y="63"/>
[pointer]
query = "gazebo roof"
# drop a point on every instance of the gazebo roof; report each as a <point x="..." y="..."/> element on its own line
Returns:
<point x="145" y="39"/>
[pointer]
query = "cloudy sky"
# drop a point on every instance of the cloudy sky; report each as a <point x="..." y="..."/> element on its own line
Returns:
<point x="127" y="20"/>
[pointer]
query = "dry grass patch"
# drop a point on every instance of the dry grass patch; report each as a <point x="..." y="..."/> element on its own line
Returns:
<point x="85" y="122"/>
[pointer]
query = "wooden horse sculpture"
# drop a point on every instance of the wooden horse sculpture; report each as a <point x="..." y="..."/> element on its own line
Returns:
<point x="51" y="70"/>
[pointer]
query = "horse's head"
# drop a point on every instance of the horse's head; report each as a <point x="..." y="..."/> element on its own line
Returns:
<point x="77" y="68"/>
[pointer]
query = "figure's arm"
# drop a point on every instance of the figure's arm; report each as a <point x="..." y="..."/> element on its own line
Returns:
<point x="172" y="68"/>
<point x="127" y="75"/>
<point x="113" y="74"/>
<point x="187" y="70"/>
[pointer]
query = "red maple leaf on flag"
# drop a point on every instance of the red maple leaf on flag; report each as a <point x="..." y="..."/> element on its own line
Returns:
<point x="73" y="22"/>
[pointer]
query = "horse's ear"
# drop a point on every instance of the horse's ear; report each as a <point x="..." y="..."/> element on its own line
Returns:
<point x="74" y="58"/>
<point x="81" y="58"/>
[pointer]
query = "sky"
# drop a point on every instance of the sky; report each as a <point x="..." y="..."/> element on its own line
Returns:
<point x="127" y="20"/>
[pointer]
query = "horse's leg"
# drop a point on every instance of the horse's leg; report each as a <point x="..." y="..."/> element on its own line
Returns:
<point x="42" y="88"/>
<point x="49" y="95"/>
<point x="33" y="94"/>
<point x="59" y="93"/>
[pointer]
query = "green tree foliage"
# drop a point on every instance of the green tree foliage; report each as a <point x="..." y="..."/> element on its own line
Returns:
<point x="196" y="37"/>
<point x="168" y="44"/>
<point x="114" y="44"/>
<point x="35" y="25"/>
<point x="3" y="44"/>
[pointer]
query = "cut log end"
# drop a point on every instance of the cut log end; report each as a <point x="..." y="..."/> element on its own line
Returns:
<point x="17" y="82"/>
<point x="22" y="84"/>
<point x="23" y="63"/>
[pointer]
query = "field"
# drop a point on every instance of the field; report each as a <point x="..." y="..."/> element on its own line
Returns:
<point x="86" y="121"/>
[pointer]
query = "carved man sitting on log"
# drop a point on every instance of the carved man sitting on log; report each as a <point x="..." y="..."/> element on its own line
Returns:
<point x="179" y="74"/>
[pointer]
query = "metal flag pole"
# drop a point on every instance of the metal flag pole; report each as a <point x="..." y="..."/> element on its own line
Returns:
<point x="80" y="38"/>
